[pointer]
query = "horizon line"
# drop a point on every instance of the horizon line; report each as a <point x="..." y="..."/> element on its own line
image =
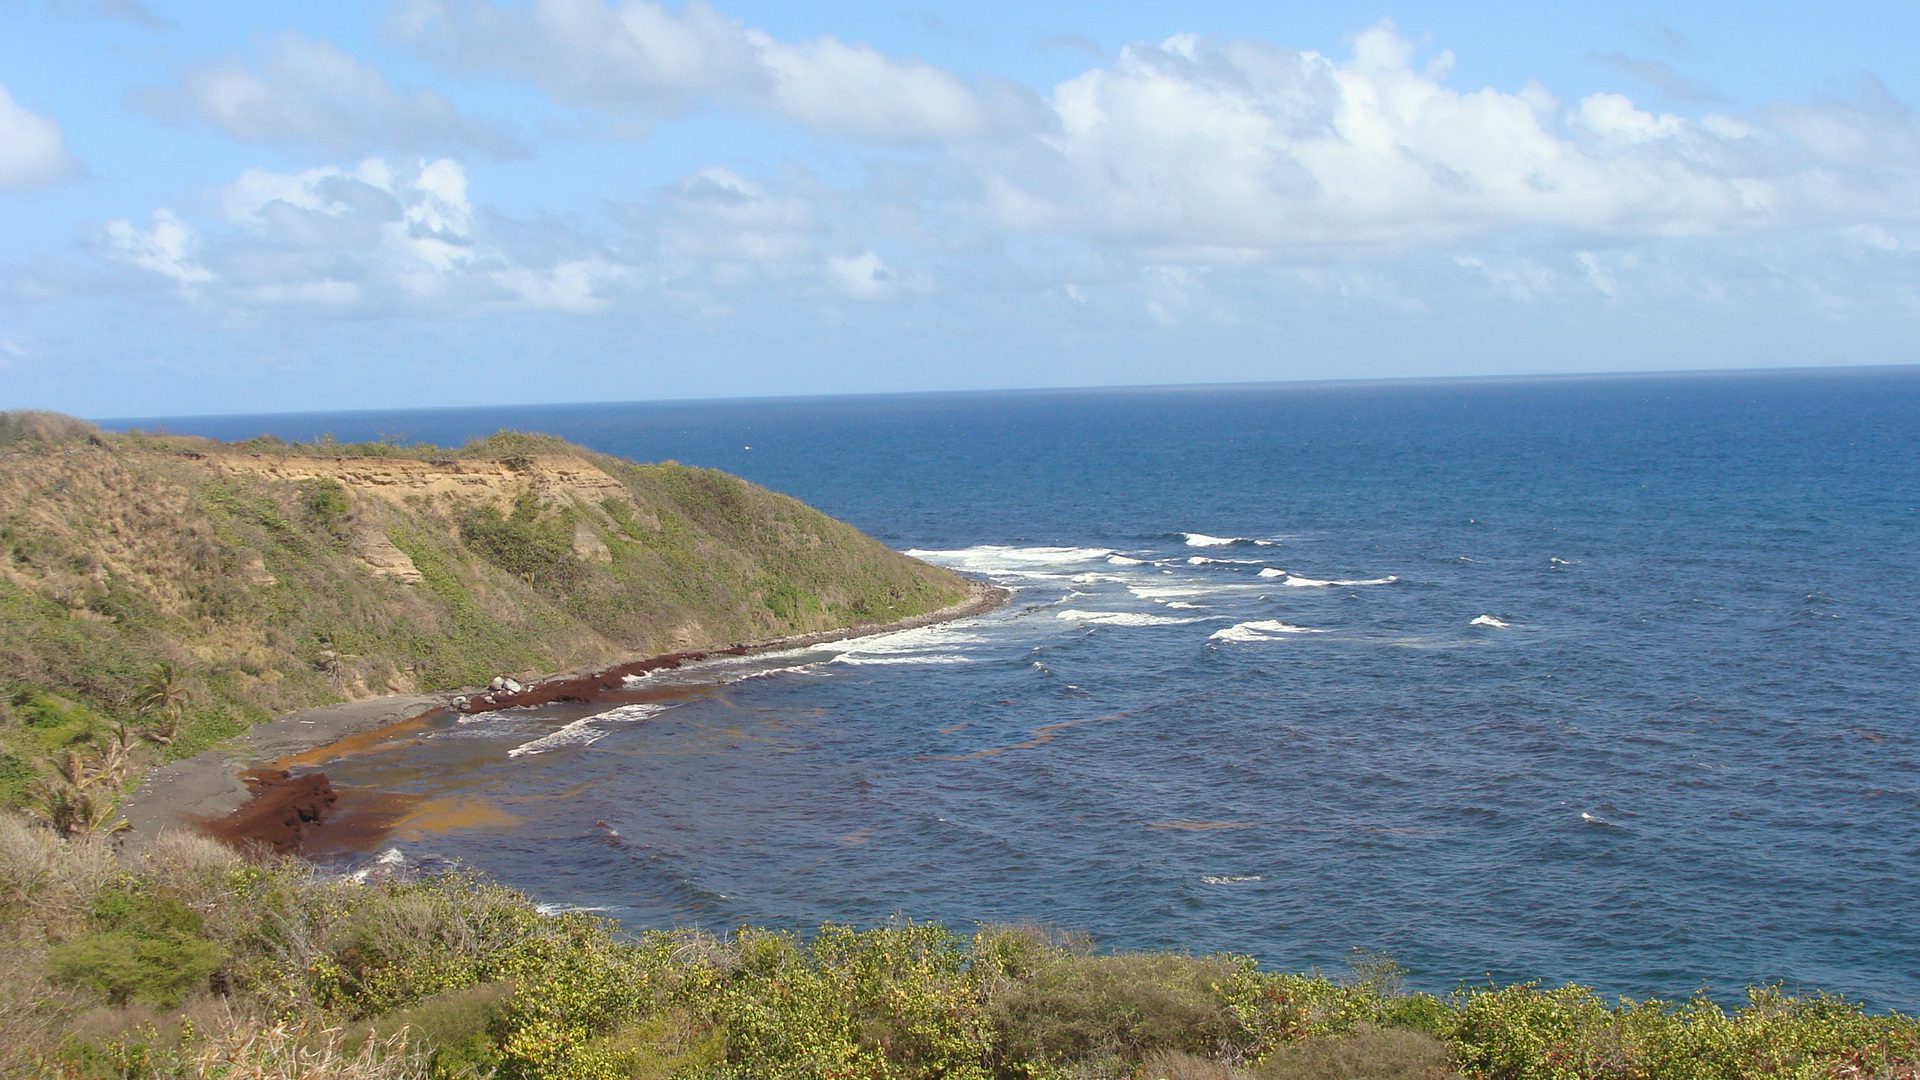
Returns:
<point x="1038" y="391"/>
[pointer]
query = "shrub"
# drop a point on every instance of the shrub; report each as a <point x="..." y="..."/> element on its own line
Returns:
<point x="1367" y="1053"/>
<point x="1080" y="1007"/>
<point x="147" y="947"/>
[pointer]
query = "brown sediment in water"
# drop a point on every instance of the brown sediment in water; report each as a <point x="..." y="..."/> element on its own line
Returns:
<point x="283" y="808"/>
<point x="292" y="803"/>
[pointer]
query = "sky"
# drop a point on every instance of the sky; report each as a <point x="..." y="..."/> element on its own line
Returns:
<point x="217" y="207"/>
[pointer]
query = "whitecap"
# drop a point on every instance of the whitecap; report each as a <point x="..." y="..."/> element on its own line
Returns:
<point x="796" y="669"/>
<point x="387" y="862"/>
<point x="550" y="910"/>
<point x="1261" y="630"/>
<point x="629" y="682"/>
<point x="586" y="730"/>
<point x="1229" y="879"/>
<point x="901" y="660"/>
<point x="1016" y="561"/>
<point x="1125" y="618"/>
<point x="1488" y="620"/>
<point x="1314" y="583"/>
<point x="942" y="636"/>
<point x="1184" y="606"/>
<point x="1203" y="540"/>
<point x="1271" y="572"/>
<point x="1122" y="560"/>
<point x="1178" y="591"/>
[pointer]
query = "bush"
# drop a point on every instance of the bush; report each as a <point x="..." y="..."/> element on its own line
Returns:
<point x="1367" y="1053"/>
<point x="147" y="947"/>
<point x="1081" y="1007"/>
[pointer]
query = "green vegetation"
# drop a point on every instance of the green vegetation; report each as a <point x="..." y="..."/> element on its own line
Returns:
<point x="186" y="589"/>
<point x="180" y="959"/>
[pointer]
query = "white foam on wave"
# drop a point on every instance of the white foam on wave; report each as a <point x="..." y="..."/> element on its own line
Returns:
<point x="629" y="682"/>
<point x="1122" y="560"/>
<point x="921" y="645"/>
<point x="1488" y="620"/>
<point x="1125" y="618"/>
<point x="901" y="661"/>
<point x="1180" y="591"/>
<point x="796" y="669"/>
<point x="1202" y="560"/>
<point x="1014" y="561"/>
<point x="1204" y="540"/>
<point x="588" y="729"/>
<point x="1184" y="606"/>
<point x="1229" y="879"/>
<point x="387" y="862"/>
<point x="1315" y="583"/>
<point x="1096" y="579"/>
<point x="1262" y="630"/>
<point x="1271" y="572"/>
<point x="550" y="910"/>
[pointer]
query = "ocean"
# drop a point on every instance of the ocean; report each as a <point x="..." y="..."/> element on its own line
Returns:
<point x="1608" y="680"/>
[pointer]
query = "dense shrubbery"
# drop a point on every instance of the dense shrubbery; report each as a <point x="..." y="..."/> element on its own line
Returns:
<point x="180" y="960"/>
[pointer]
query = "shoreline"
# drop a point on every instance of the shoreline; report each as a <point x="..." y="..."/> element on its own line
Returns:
<point x="264" y="788"/>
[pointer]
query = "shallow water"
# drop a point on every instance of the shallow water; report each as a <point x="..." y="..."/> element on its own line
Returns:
<point x="1606" y="680"/>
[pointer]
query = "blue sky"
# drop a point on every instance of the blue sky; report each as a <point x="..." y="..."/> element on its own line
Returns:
<point x="227" y="208"/>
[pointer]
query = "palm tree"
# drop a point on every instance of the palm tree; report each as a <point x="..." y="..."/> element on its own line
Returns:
<point x="163" y="695"/>
<point x="83" y="795"/>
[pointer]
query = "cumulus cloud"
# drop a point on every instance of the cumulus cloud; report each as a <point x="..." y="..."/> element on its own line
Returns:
<point x="33" y="152"/>
<point x="382" y="237"/>
<point x="312" y="92"/>
<point x="165" y="248"/>
<point x="1221" y="151"/>
<point x="637" y="54"/>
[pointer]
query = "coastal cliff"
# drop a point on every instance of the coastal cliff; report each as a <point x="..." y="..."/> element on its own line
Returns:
<point x="184" y="589"/>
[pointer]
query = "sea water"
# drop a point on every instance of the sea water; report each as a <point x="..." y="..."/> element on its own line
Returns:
<point x="1608" y="680"/>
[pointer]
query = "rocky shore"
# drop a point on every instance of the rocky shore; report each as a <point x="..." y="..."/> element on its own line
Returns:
<point x="266" y="788"/>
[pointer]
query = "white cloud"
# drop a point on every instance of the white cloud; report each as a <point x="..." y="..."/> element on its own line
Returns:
<point x="1219" y="152"/>
<point x="852" y="90"/>
<point x="33" y="152"/>
<point x="637" y="54"/>
<point x="165" y="248"/>
<point x="861" y="277"/>
<point x="718" y="216"/>
<point x="314" y="93"/>
<point x="382" y="237"/>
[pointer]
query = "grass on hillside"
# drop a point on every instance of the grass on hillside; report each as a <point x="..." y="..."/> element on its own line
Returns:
<point x="128" y="561"/>
<point x="180" y="959"/>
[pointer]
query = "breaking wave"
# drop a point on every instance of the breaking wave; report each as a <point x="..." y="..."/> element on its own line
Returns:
<point x="1299" y="582"/>
<point x="587" y="730"/>
<point x="1125" y="618"/>
<point x="1261" y="630"/>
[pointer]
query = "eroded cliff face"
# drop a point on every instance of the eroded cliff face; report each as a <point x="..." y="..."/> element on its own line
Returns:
<point x="498" y="483"/>
<point x="456" y="485"/>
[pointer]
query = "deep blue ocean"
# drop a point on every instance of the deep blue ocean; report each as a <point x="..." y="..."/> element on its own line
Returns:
<point x="1608" y="680"/>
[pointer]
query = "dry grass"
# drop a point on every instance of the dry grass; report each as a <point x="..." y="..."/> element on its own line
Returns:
<point x="244" y="1047"/>
<point x="1368" y="1053"/>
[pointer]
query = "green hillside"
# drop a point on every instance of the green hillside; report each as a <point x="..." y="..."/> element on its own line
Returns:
<point x="187" y="588"/>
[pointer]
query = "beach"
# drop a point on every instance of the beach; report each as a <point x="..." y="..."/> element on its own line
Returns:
<point x="266" y="787"/>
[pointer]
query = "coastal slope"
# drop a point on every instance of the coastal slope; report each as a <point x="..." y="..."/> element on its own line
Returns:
<point x="260" y="577"/>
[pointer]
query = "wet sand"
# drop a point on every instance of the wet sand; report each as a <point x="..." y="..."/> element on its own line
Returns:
<point x="265" y="788"/>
